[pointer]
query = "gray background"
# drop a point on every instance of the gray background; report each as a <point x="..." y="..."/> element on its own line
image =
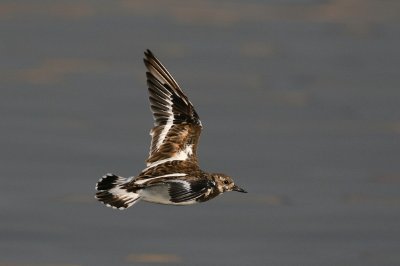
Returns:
<point x="299" y="101"/>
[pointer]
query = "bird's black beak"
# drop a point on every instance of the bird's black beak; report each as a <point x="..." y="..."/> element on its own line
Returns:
<point x="238" y="189"/>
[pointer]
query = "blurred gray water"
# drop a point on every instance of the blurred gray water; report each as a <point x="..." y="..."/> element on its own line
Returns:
<point x="299" y="101"/>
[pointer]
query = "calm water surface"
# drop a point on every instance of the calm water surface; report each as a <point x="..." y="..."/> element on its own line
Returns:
<point x="299" y="101"/>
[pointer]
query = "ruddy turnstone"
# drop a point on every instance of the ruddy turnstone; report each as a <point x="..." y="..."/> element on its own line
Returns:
<point x="172" y="175"/>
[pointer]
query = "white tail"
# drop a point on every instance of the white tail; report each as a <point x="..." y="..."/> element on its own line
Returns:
<point x="111" y="192"/>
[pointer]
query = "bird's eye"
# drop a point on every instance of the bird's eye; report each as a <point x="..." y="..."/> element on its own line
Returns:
<point x="226" y="182"/>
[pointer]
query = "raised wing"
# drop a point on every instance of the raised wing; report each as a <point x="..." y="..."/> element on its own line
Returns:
<point x="177" y="126"/>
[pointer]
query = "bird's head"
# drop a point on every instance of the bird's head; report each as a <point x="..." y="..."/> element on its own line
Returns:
<point x="225" y="183"/>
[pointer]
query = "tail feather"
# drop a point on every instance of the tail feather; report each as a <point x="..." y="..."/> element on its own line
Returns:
<point x="110" y="191"/>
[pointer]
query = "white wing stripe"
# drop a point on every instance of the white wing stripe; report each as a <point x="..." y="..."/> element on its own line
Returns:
<point x="168" y="125"/>
<point x="186" y="184"/>
<point x="180" y="156"/>
<point x="166" y="128"/>
<point x="140" y="182"/>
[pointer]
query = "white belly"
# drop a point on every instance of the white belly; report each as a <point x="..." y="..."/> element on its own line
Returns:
<point x="159" y="194"/>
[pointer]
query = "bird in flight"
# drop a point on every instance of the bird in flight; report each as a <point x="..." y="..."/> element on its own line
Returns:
<point x="172" y="175"/>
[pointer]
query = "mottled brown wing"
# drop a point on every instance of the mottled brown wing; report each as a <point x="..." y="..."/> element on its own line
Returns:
<point x="177" y="126"/>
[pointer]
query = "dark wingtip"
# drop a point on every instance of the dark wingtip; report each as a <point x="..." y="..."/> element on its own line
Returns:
<point x="149" y="57"/>
<point x="148" y="53"/>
